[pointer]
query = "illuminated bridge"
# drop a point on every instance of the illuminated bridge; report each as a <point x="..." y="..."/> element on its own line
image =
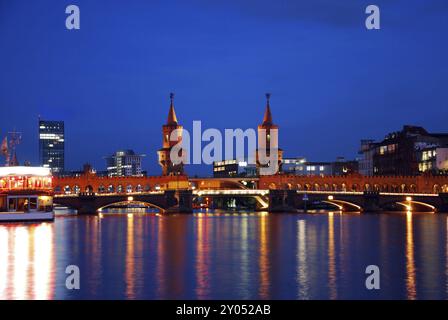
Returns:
<point x="278" y="193"/>
<point x="181" y="201"/>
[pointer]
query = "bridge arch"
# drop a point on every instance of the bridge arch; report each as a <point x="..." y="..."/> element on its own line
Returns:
<point x="89" y="189"/>
<point x="101" y="189"/>
<point x="408" y="205"/>
<point x="129" y="188"/>
<point x="67" y="190"/>
<point x="131" y="202"/>
<point x="344" y="205"/>
<point x="111" y="188"/>
<point x="76" y="189"/>
<point x="119" y="188"/>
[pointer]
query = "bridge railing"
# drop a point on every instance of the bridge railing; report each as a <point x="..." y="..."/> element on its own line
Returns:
<point x="109" y="194"/>
<point x="361" y="193"/>
<point x="257" y="192"/>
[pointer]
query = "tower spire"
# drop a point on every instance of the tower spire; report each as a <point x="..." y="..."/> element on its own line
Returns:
<point x="172" y="119"/>
<point x="267" y="119"/>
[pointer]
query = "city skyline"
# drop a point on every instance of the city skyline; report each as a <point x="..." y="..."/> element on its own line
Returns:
<point x="110" y="88"/>
<point x="224" y="155"/>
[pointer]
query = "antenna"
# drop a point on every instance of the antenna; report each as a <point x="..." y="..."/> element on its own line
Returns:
<point x="14" y="140"/>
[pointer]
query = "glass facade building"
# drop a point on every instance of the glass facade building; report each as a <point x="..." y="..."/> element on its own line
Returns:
<point x="124" y="163"/>
<point x="52" y="145"/>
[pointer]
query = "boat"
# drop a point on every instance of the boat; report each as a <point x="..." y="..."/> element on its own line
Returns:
<point x="26" y="194"/>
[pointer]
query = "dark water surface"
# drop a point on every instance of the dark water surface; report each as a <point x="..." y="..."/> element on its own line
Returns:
<point x="227" y="256"/>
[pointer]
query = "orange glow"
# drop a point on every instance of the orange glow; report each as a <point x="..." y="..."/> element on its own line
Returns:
<point x="130" y="268"/>
<point x="263" y="260"/>
<point x="331" y="258"/>
<point x="27" y="265"/>
<point x="410" y="263"/>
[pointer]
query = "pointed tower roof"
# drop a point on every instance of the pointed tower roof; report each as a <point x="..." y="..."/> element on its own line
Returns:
<point x="267" y="119"/>
<point x="172" y="119"/>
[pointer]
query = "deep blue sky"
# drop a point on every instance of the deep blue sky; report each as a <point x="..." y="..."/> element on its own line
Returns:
<point x="332" y="81"/>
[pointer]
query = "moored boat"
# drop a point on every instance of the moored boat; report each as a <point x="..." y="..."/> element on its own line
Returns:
<point x="26" y="194"/>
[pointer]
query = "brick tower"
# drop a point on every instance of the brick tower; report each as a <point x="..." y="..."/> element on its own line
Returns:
<point x="168" y="168"/>
<point x="266" y="129"/>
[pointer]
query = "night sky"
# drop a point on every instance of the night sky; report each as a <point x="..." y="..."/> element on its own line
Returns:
<point x="333" y="82"/>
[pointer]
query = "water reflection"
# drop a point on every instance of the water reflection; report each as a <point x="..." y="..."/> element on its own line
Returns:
<point x="331" y="258"/>
<point x="130" y="258"/>
<point x="263" y="256"/>
<point x="226" y="256"/>
<point x="26" y="262"/>
<point x="4" y="257"/>
<point x="410" y="262"/>
<point x="302" y="268"/>
<point x="202" y="257"/>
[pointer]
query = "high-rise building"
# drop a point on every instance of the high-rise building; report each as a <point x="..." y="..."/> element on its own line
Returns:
<point x="124" y="163"/>
<point x="52" y="145"/>
<point x="265" y="132"/>
<point x="165" y="161"/>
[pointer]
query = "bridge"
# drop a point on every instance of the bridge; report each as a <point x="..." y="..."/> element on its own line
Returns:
<point x="181" y="201"/>
<point x="90" y="182"/>
<point x="278" y="193"/>
<point x="368" y="201"/>
<point x="91" y="203"/>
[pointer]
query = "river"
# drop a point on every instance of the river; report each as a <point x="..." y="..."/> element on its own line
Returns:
<point x="227" y="256"/>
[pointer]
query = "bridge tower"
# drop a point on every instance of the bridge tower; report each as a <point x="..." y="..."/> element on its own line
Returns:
<point x="266" y="147"/>
<point x="168" y="168"/>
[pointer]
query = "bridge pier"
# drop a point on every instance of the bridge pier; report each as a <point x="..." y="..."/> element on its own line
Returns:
<point x="371" y="201"/>
<point x="282" y="201"/>
<point x="87" y="203"/>
<point x="179" y="201"/>
<point x="443" y="202"/>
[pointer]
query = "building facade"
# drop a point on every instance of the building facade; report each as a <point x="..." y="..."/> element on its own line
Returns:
<point x="365" y="163"/>
<point x="124" y="163"/>
<point x="52" y="145"/>
<point x="168" y="167"/>
<point x="433" y="159"/>
<point x="233" y="168"/>
<point x="411" y="151"/>
<point x="301" y="167"/>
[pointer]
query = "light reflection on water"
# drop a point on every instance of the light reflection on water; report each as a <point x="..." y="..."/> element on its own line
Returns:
<point x="227" y="256"/>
